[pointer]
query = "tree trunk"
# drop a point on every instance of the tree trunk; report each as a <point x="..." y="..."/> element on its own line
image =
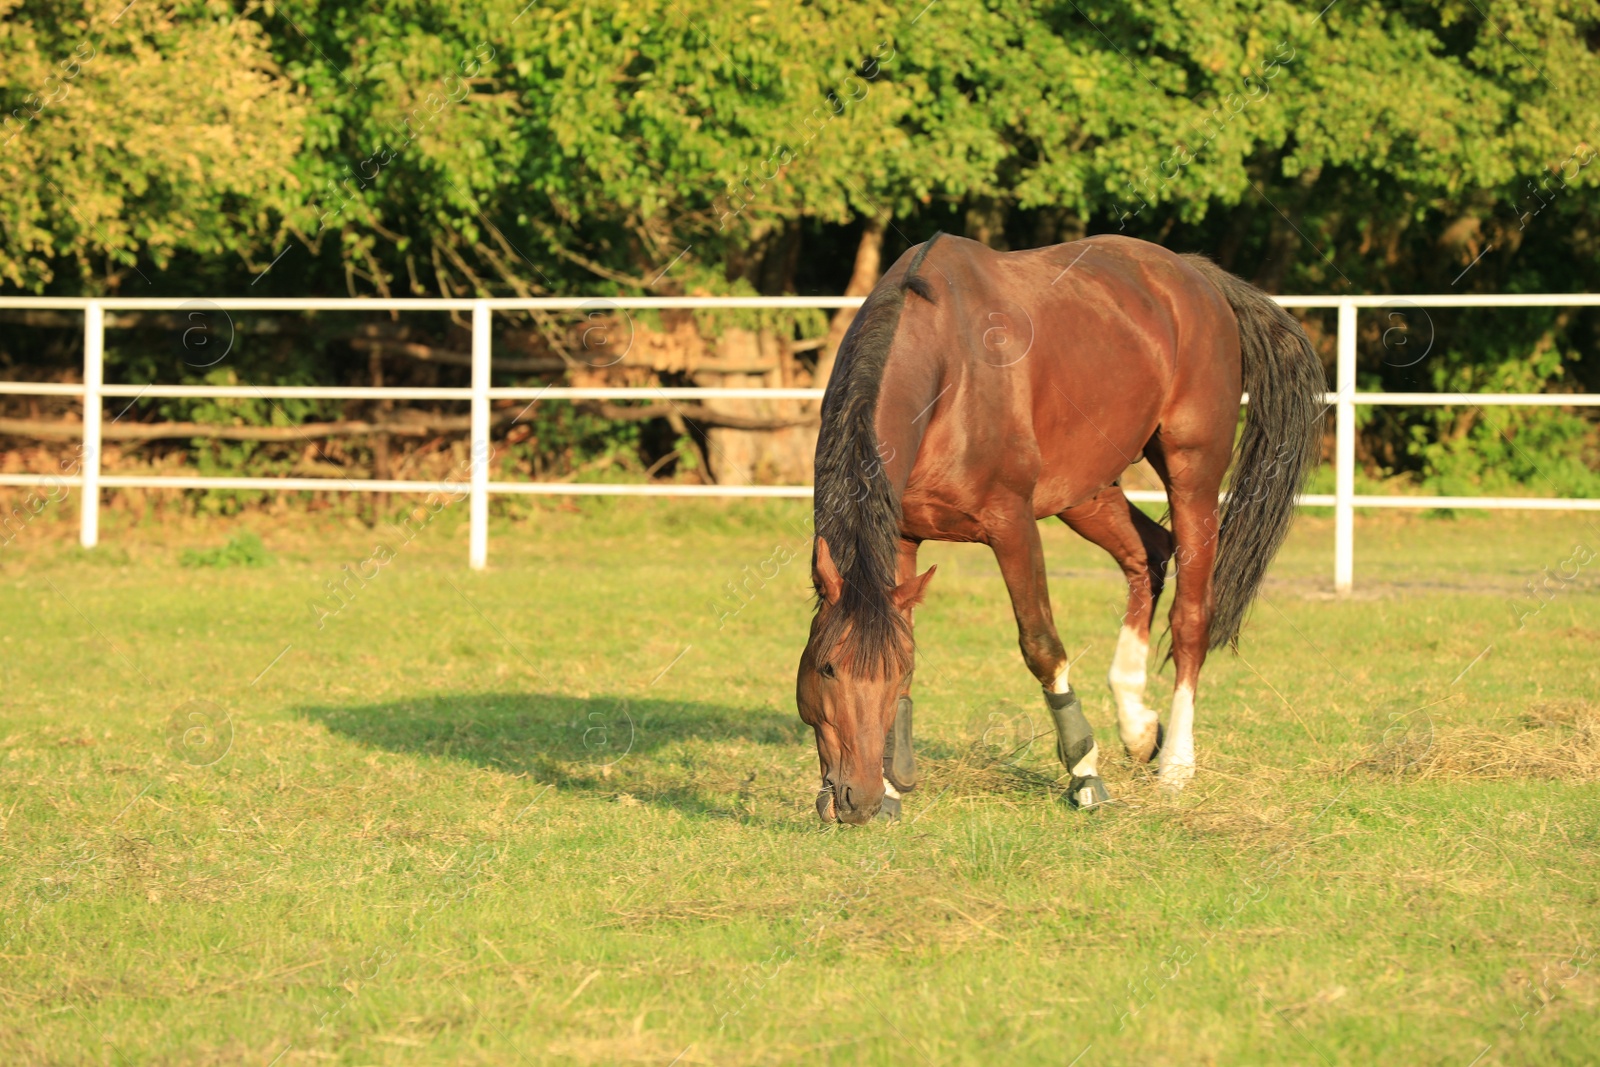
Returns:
<point x="786" y="456"/>
<point x="757" y="457"/>
<point x="869" y="265"/>
<point x="986" y="222"/>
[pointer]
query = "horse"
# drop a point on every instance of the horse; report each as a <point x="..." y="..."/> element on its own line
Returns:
<point x="978" y="392"/>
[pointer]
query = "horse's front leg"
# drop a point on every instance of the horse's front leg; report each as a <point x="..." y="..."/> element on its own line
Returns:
<point x="1141" y="548"/>
<point x="899" y="759"/>
<point x="1015" y="541"/>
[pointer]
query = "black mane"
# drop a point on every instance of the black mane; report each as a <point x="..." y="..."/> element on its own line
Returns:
<point x="856" y="509"/>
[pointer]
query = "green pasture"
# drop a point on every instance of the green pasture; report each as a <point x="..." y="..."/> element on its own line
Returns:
<point x="561" y="811"/>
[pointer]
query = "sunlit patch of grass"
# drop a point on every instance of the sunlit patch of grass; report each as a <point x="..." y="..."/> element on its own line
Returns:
<point x="561" y="812"/>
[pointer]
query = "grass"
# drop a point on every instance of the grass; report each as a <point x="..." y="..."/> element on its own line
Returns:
<point x="242" y="550"/>
<point x="560" y="812"/>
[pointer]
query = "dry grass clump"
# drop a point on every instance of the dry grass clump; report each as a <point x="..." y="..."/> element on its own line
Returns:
<point x="1557" y="740"/>
<point x="976" y="773"/>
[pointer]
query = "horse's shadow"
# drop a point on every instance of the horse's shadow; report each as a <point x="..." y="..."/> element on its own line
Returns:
<point x="583" y="743"/>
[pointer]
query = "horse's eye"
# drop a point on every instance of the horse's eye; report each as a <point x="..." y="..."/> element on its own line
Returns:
<point x="826" y="670"/>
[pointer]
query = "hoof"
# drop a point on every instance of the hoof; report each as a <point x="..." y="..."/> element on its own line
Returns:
<point x="1147" y="747"/>
<point x="1086" y="793"/>
<point x="890" y="808"/>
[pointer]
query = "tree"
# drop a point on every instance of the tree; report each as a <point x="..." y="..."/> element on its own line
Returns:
<point x="434" y="146"/>
<point x="134" y="136"/>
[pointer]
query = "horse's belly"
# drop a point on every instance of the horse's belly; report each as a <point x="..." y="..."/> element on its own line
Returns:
<point x="1052" y="496"/>
<point x="932" y="516"/>
<point x="1088" y="446"/>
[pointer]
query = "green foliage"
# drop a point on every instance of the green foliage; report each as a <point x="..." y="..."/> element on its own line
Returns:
<point x="559" y="146"/>
<point x="135" y="136"/>
<point x="242" y="550"/>
<point x="1500" y="450"/>
<point x="561" y="439"/>
<point x="436" y="146"/>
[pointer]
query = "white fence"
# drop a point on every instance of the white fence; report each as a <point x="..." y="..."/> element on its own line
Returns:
<point x="94" y="391"/>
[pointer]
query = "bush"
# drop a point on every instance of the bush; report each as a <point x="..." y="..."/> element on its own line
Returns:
<point x="242" y="550"/>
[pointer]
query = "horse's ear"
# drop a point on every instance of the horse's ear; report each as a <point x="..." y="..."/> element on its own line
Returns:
<point x="909" y="594"/>
<point x="828" y="579"/>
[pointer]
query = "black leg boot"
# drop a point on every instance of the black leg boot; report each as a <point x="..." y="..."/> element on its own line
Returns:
<point x="899" y="761"/>
<point x="1074" y="741"/>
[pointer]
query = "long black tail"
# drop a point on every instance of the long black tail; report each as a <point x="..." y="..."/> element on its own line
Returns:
<point x="1281" y="442"/>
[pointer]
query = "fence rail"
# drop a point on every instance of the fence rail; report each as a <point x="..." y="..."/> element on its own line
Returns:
<point x="1344" y="399"/>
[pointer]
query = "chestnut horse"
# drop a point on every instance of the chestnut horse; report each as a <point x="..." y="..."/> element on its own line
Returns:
<point x="978" y="392"/>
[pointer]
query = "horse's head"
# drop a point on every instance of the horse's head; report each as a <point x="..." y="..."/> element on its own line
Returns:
<point x="855" y="667"/>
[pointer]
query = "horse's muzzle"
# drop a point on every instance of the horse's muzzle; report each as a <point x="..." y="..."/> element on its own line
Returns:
<point x="846" y="803"/>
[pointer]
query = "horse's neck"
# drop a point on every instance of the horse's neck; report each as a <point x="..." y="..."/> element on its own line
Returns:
<point x="907" y="403"/>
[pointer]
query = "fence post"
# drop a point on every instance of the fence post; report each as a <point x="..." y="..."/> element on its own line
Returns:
<point x="94" y="342"/>
<point x="1344" y="453"/>
<point x="478" y="507"/>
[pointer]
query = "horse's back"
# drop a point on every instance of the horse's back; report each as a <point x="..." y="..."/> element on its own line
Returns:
<point x="1060" y="363"/>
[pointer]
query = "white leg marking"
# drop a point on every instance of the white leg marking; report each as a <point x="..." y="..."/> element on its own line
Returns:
<point x="1177" y="752"/>
<point x="1060" y="685"/>
<point x="890" y="791"/>
<point x="1135" y="722"/>
<point x="1088" y="766"/>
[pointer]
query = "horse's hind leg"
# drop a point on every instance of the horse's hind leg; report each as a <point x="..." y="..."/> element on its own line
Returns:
<point x="1141" y="546"/>
<point x="1193" y="475"/>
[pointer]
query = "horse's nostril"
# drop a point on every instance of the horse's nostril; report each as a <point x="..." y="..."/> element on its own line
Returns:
<point x="847" y="802"/>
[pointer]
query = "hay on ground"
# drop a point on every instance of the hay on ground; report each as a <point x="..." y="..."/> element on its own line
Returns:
<point x="1553" y="741"/>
